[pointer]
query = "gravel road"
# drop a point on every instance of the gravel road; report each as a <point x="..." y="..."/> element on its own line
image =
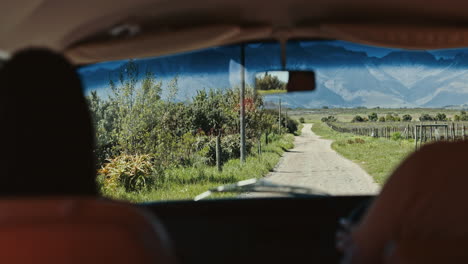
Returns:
<point x="313" y="163"/>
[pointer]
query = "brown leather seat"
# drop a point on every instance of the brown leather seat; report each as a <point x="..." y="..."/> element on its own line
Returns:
<point x="82" y="230"/>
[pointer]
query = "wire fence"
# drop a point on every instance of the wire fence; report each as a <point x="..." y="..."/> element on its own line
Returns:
<point x="420" y="132"/>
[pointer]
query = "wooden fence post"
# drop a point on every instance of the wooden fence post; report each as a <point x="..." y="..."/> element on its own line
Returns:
<point x="415" y="137"/>
<point x="260" y="144"/>
<point x="420" y="134"/>
<point x="407" y="132"/>
<point x="218" y="151"/>
<point x="453" y="132"/>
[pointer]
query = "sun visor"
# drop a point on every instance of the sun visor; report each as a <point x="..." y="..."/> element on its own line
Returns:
<point x="157" y="44"/>
<point x="400" y="36"/>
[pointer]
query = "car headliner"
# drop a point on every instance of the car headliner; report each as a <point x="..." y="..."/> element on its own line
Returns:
<point x="99" y="30"/>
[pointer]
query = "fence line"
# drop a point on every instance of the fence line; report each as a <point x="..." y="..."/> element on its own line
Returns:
<point x="419" y="131"/>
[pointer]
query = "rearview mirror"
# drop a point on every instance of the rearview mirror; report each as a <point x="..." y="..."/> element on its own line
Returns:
<point x="275" y="82"/>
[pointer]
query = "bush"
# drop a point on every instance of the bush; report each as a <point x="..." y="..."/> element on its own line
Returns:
<point x="135" y="173"/>
<point x="291" y="125"/>
<point x="230" y="148"/>
<point x="392" y="118"/>
<point x="357" y="119"/>
<point x="373" y="117"/>
<point x="329" y="119"/>
<point x="396" y="136"/>
<point x="302" y="120"/>
<point x="381" y="119"/>
<point x="407" y="118"/>
<point x="440" y="117"/>
<point x="356" y="141"/>
<point x="426" y="117"/>
<point x="462" y="117"/>
<point x="359" y="141"/>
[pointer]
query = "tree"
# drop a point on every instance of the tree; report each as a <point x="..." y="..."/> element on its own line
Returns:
<point x="407" y="118"/>
<point x="461" y="117"/>
<point x="426" y="117"/>
<point x="389" y="118"/>
<point x="329" y="119"/>
<point x="440" y="117"/>
<point x="357" y="119"/>
<point x="373" y="117"/>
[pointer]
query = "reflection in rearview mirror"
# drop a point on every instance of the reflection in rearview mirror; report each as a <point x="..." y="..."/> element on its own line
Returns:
<point x="276" y="82"/>
<point x="272" y="82"/>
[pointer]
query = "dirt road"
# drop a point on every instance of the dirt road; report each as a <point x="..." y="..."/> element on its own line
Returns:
<point x="313" y="163"/>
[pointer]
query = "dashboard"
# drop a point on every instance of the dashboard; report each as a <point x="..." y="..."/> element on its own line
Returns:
<point x="271" y="230"/>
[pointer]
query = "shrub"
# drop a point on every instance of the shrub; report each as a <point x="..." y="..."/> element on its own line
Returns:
<point x="373" y="117"/>
<point x="359" y="141"/>
<point x="134" y="173"/>
<point x="440" y="117"/>
<point x="302" y="120"/>
<point x="389" y="118"/>
<point x="463" y="116"/>
<point x="396" y="136"/>
<point x="291" y="125"/>
<point x="426" y="117"/>
<point x="356" y="141"/>
<point x="381" y="119"/>
<point x="329" y="119"/>
<point x="230" y="148"/>
<point x="407" y="118"/>
<point x="357" y="119"/>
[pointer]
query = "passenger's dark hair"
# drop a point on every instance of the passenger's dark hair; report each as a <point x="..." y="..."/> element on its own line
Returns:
<point x="47" y="138"/>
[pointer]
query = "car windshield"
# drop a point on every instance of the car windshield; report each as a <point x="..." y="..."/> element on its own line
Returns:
<point x="168" y="128"/>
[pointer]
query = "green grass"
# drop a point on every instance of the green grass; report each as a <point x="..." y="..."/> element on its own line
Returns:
<point x="378" y="156"/>
<point x="186" y="183"/>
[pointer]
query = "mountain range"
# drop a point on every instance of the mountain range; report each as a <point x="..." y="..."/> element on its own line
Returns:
<point x="344" y="77"/>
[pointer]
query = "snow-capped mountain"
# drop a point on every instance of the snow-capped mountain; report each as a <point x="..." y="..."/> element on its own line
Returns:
<point x="345" y="77"/>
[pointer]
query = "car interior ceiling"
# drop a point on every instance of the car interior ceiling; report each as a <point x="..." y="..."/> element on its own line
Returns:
<point x="96" y="32"/>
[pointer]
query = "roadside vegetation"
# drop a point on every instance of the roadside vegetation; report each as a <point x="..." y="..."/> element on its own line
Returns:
<point x="378" y="156"/>
<point x="151" y="147"/>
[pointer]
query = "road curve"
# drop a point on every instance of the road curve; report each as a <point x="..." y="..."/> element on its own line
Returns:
<point x="313" y="163"/>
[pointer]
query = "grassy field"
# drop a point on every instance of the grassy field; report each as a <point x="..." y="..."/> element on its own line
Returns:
<point x="377" y="156"/>
<point x="186" y="183"/>
<point x="347" y="114"/>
